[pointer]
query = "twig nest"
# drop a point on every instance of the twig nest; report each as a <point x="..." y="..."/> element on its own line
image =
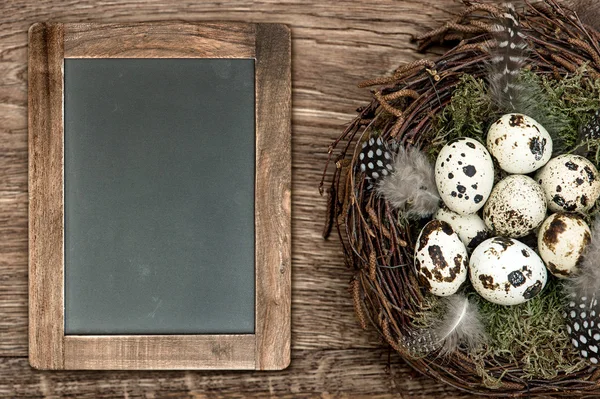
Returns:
<point x="441" y="258"/>
<point x="570" y="183"/>
<point x="506" y="271"/>
<point x="516" y="207"/>
<point x="470" y="228"/>
<point x="414" y="109"/>
<point x="464" y="175"/>
<point x="562" y="240"/>
<point x="519" y="143"/>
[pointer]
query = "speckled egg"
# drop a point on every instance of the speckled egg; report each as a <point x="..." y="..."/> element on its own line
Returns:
<point x="516" y="207"/>
<point x="506" y="271"/>
<point x="464" y="175"/>
<point x="441" y="258"/>
<point x="570" y="183"/>
<point x="470" y="228"/>
<point x="562" y="240"/>
<point x="519" y="143"/>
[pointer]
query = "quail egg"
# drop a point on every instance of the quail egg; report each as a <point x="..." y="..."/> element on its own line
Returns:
<point x="570" y="183"/>
<point x="441" y="258"/>
<point x="470" y="228"/>
<point x="519" y="143"/>
<point x="562" y="239"/>
<point x="464" y="175"/>
<point x="516" y="207"/>
<point x="506" y="271"/>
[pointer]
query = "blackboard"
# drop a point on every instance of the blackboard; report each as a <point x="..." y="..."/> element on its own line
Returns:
<point x="159" y="196"/>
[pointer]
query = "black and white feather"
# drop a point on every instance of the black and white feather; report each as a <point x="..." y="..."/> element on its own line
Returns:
<point x="588" y="132"/>
<point x="591" y="130"/>
<point x="508" y="57"/>
<point x="582" y="314"/>
<point x="458" y="325"/>
<point x="375" y="159"/>
<point x="411" y="186"/>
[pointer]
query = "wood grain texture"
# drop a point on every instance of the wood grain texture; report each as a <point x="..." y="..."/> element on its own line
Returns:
<point x="159" y="40"/>
<point x="273" y="197"/>
<point x="46" y="211"/>
<point x="334" y="46"/>
<point x="269" y="348"/>
<point x="159" y="352"/>
<point x="312" y="374"/>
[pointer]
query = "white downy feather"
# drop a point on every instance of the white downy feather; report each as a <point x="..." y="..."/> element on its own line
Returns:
<point x="411" y="186"/>
<point x="459" y="325"/>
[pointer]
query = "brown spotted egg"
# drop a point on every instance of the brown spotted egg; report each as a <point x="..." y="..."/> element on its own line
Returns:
<point x="562" y="239"/>
<point x="470" y="228"/>
<point x="506" y="271"/>
<point x="570" y="183"/>
<point x="519" y="143"/>
<point x="516" y="207"/>
<point x="440" y="258"/>
<point x="464" y="175"/>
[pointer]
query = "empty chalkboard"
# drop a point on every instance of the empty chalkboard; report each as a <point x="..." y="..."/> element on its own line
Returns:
<point x="159" y="196"/>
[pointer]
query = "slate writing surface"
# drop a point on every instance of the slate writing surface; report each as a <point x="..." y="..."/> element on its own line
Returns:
<point x="159" y="196"/>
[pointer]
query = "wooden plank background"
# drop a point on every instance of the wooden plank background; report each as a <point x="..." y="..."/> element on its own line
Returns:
<point x="335" y="45"/>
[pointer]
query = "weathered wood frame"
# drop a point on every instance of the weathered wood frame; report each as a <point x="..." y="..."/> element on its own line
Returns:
<point x="269" y="44"/>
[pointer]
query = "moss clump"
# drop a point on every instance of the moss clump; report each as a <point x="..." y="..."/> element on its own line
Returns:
<point x="466" y="115"/>
<point x="531" y="336"/>
<point x="561" y="106"/>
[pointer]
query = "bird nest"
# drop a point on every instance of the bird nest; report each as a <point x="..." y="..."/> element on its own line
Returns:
<point x="423" y="105"/>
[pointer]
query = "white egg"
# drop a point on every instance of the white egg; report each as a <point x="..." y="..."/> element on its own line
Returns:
<point x="506" y="271"/>
<point x="464" y="175"/>
<point x="441" y="258"/>
<point x="516" y="207"/>
<point x="562" y="240"/>
<point x="519" y="143"/>
<point x="570" y="183"/>
<point x="470" y="228"/>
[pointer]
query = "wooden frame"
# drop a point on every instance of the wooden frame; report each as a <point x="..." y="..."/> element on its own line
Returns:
<point x="269" y="44"/>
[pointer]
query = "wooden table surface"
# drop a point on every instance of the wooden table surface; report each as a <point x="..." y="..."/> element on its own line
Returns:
<point x="335" y="45"/>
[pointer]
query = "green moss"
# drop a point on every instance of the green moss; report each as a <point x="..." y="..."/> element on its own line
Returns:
<point x="561" y="106"/>
<point x="466" y="115"/>
<point x="532" y="336"/>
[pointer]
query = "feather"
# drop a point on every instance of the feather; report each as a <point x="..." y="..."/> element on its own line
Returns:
<point x="375" y="159"/>
<point x="411" y="186"/>
<point x="587" y="132"/>
<point x="587" y="280"/>
<point x="509" y="90"/>
<point x="591" y="130"/>
<point x="459" y="325"/>
<point x="582" y="313"/>
<point x="588" y="11"/>
<point x="508" y="57"/>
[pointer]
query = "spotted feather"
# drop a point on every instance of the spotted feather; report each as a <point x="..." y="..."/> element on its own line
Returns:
<point x="508" y="57"/>
<point x="582" y="318"/>
<point x="591" y="130"/>
<point x="582" y="312"/>
<point x="375" y="159"/>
